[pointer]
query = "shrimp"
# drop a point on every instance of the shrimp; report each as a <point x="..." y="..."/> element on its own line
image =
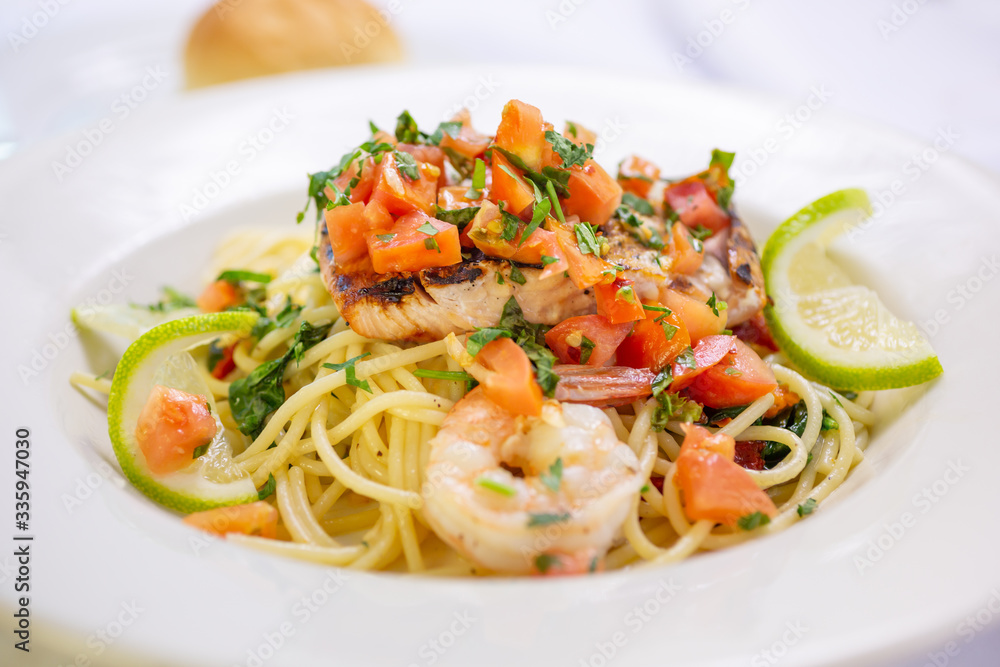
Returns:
<point x="560" y="513"/>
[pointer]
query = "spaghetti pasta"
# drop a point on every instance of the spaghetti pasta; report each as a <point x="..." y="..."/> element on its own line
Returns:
<point x="349" y="464"/>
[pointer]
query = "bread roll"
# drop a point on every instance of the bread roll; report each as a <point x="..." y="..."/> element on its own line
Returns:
<point x="239" y="39"/>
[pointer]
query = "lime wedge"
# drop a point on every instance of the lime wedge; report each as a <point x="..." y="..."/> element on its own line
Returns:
<point x="127" y="321"/>
<point x="838" y="332"/>
<point x="161" y="356"/>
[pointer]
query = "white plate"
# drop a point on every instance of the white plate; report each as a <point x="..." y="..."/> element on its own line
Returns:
<point x="118" y="217"/>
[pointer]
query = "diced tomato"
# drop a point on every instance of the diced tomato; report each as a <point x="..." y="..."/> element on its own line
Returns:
<point x="218" y="296"/>
<point x="541" y="244"/>
<point x="377" y="218"/>
<point x="699" y="437"/>
<point x="399" y="194"/>
<point x="694" y="205"/>
<point x="406" y="248"/>
<point x="636" y="175"/>
<point x="739" y="378"/>
<point x="783" y="398"/>
<point x="585" y="270"/>
<point x="708" y="351"/>
<point x="593" y="194"/>
<point x="521" y="132"/>
<point x="713" y="486"/>
<point x="648" y="345"/>
<point x="469" y="143"/>
<point x="173" y="424"/>
<point x="511" y="383"/>
<point x="579" y="135"/>
<point x="749" y="454"/>
<point x="698" y="316"/>
<point x="225" y="365"/>
<point x="511" y="188"/>
<point x="363" y="188"/>
<point x="346" y="226"/>
<point x="259" y="518"/>
<point x="486" y="231"/>
<point x="548" y="246"/>
<point x="430" y="155"/>
<point x="618" y="301"/>
<point x="383" y="137"/>
<point x="566" y="339"/>
<point x="755" y="332"/>
<point x="452" y="197"/>
<point x="686" y="258"/>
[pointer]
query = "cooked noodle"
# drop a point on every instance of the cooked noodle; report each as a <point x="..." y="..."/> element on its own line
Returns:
<point x="349" y="465"/>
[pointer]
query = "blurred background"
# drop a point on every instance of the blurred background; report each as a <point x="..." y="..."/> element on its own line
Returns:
<point x="926" y="67"/>
<point x="922" y="66"/>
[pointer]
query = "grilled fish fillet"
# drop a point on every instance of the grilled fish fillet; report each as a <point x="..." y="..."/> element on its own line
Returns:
<point x="427" y="305"/>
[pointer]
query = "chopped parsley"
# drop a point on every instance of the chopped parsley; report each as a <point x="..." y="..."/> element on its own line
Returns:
<point x="662" y="380"/>
<point x="385" y="238"/>
<point x="586" y="349"/>
<point x="545" y="562"/>
<point x="452" y="128"/>
<point x="626" y="294"/>
<point x="199" y="451"/>
<point x="686" y="359"/>
<point x="253" y="398"/>
<point x="637" y="203"/>
<point x="530" y="337"/>
<point x="284" y="318"/>
<point x="716" y="304"/>
<point x="552" y="478"/>
<point x="538" y="214"/>
<point x="586" y="238"/>
<point x="558" y="178"/>
<point x="551" y="191"/>
<point x="829" y="423"/>
<point x="268" y="488"/>
<point x="511" y="223"/>
<point x="407" y="131"/>
<point x="807" y="508"/>
<point x="701" y="232"/>
<point x="457" y="376"/>
<point x="493" y="485"/>
<point x="571" y="153"/>
<point x="546" y="260"/>
<point x="753" y="521"/>
<point x="459" y="217"/>
<point x="722" y="414"/>
<point x="236" y="277"/>
<point x="428" y="228"/>
<point x="722" y="161"/>
<point x="172" y="300"/>
<point x="515" y="275"/>
<point x="475" y="190"/>
<point x="350" y="373"/>
<point x="407" y="165"/>
<point x="673" y="407"/>
<point x="546" y="519"/>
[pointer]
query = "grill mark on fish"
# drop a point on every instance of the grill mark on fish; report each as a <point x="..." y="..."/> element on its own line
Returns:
<point x="429" y="304"/>
<point x="451" y="275"/>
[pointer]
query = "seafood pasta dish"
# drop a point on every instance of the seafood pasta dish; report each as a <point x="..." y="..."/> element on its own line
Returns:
<point x="491" y="356"/>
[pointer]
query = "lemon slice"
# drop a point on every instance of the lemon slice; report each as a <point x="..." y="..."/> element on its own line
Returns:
<point x="161" y="356"/>
<point x="127" y="321"/>
<point x="838" y="332"/>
